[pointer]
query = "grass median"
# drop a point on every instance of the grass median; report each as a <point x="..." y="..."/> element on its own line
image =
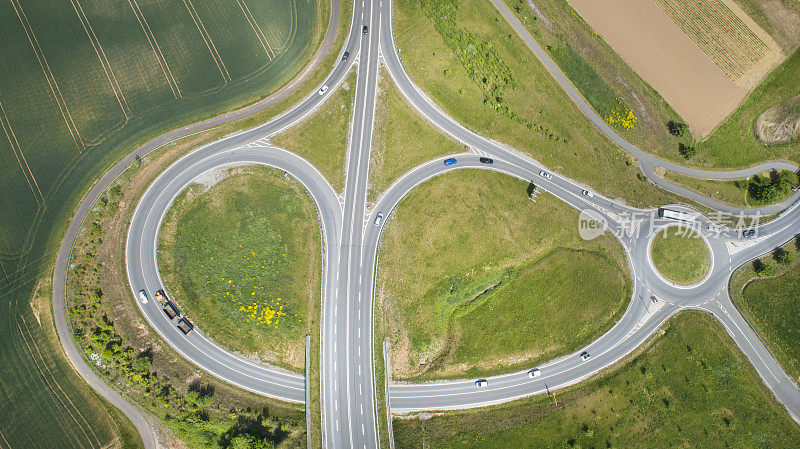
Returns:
<point x="763" y="189"/>
<point x="770" y="300"/>
<point x="322" y="138"/>
<point x="690" y="387"/>
<point x="475" y="278"/>
<point x="402" y="140"/>
<point x="680" y="255"/>
<point x="242" y="261"/>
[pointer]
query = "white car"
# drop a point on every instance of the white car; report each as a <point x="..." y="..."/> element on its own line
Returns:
<point x="544" y="174"/>
<point x="585" y="356"/>
<point x="143" y="296"/>
<point x="480" y="383"/>
<point x="378" y="219"/>
<point x="713" y="228"/>
<point x="534" y="373"/>
<point x="323" y="89"/>
<point x="587" y="193"/>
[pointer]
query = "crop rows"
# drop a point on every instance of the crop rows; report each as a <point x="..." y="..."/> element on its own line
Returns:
<point x="719" y="32"/>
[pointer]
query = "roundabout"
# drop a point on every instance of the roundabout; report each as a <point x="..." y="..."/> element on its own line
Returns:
<point x="351" y="234"/>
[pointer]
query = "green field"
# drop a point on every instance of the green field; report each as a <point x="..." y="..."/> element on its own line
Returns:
<point x="691" y="387"/>
<point x="58" y="169"/>
<point x="680" y="255"/>
<point x="242" y="261"/>
<point x="476" y="278"/>
<point x="559" y="29"/>
<point x="519" y="103"/>
<point x="322" y="138"/>
<point x="771" y="305"/>
<point x="402" y="139"/>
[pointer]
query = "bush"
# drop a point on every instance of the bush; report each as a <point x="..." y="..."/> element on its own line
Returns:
<point x="142" y="364"/>
<point x="782" y="256"/>
<point x="762" y="268"/>
<point x="770" y="189"/>
<point x="687" y="151"/>
<point x="677" y="128"/>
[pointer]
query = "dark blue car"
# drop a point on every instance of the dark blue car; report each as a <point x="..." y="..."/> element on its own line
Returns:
<point x="450" y="161"/>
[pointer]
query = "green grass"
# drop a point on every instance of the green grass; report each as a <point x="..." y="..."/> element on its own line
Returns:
<point x="680" y="255"/>
<point x="322" y="138"/>
<point x="242" y="261"/>
<point x="473" y="276"/>
<point x="560" y="136"/>
<point x="691" y="387"/>
<point x="402" y="139"/>
<point x="771" y="304"/>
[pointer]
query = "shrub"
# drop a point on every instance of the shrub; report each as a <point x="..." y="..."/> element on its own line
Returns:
<point x="782" y="256"/>
<point x="687" y="151"/>
<point x="142" y="364"/>
<point x="677" y="128"/>
<point x="762" y="268"/>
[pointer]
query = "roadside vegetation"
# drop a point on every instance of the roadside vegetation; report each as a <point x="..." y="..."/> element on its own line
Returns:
<point x="241" y="259"/>
<point x="495" y="86"/>
<point x="475" y="278"/>
<point x="402" y="139"/>
<point x="323" y="137"/>
<point x="758" y="190"/>
<point x="680" y="255"/>
<point x="690" y="387"/>
<point x="581" y="54"/>
<point x="195" y="408"/>
<point x="767" y="291"/>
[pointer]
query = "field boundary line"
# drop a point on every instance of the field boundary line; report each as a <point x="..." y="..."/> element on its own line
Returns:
<point x="77" y="410"/>
<point x="262" y="39"/>
<point x="212" y="49"/>
<point x="39" y="368"/>
<point x="151" y="39"/>
<point x="17" y="150"/>
<point x="48" y="74"/>
<point x="101" y="55"/>
<point x="4" y="439"/>
<point x="292" y="29"/>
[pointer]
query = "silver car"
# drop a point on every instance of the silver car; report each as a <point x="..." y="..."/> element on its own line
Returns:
<point x="143" y="296"/>
<point x="480" y="383"/>
<point x="544" y="174"/>
<point x="378" y="218"/>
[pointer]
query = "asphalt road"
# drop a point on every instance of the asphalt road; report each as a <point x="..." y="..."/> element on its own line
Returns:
<point x="352" y="243"/>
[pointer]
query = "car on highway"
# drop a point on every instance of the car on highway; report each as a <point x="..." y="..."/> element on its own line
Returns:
<point x="486" y="160"/>
<point x="585" y="192"/>
<point x="143" y="296"/>
<point x="585" y="356"/>
<point x="323" y="89"/>
<point x="749" y="233"/>
<point x="345" y="56"/>
<point x="534" y="373"/>
<point x="713" y="228"/>
<point x="450" y="161"/>
<point x="378" y="218"/>
<point x="480" y="383"/>
<point x="364" y="30"/>
<point x="544" y="174"/>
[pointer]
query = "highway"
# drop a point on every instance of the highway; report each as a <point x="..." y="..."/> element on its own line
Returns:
<point x="352" y="240"/>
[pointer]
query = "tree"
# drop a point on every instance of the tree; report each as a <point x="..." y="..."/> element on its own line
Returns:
<point x="677" y="128"/>
<point x="782" y="256"/>
<point x="687" y="151"/>
<point x="762" y="268"/>
<point x="142" y="364"/>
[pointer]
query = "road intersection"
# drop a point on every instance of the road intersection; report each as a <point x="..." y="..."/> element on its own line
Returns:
<point x="352" y="240"/>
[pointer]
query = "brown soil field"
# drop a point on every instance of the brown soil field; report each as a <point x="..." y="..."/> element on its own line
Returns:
<point x="672" y="63"/>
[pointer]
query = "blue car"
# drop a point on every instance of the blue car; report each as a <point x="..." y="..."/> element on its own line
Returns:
<point x="450" y="161"/>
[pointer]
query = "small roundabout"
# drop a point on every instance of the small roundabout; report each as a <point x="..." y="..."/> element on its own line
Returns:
<point x="680" y="255"/>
